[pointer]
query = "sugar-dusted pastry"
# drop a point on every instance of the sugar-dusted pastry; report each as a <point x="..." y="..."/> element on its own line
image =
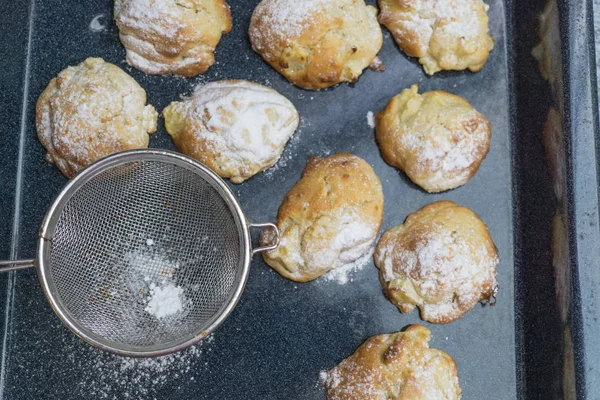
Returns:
<point x="442" y="259"/>
<point x="396" y="366"/>
<point x="317" y="43"/>
<point x="89" y="111"/>
<point x="329" y="219"/>
<point x="438" y="139"/>
<point x="171" y="36"/>
<point x="443" y="34"/>
<point x="236" y="128"/>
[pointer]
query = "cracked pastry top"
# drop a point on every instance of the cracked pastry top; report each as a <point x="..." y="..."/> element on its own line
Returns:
<point x="90" y="111"/>
<point x="237" y="128"/>
<point x="442" y="259"/>
<point x="438" y="139"/>
<point x="443" y="35"/>
<point x="172" y="36"/>
<point x="317" y="43"/>
<point x="398" y="366"/>
<point x="329" y="219"/>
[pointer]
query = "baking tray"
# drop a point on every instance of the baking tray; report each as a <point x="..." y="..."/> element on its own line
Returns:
<point x="283" y="333"/>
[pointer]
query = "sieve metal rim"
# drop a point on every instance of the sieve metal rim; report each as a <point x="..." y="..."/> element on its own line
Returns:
<point x="52" y="216"/>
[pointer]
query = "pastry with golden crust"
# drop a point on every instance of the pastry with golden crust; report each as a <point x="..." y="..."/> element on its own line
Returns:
<point x="172" y="36"/>
<point x="438" y="139"/>
<point x="443" y="34"/>
<point x="90" y="111"/>
<point x="317" y="43"/>
<point x="398" y="366"/>
<point x="442" y="259"/>
<point x="329" y="219"/>
<point x="237" y="128"/>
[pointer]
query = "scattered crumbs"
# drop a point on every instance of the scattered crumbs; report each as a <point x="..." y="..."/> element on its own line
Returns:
<point x="96" y="25"/>
<point x="149" y="242"/>
<point x="371" y="119"/>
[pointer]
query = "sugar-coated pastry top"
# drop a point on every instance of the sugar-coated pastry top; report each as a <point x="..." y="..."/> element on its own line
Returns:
<point x="172" y="36"/>
<point x="329" y="219"/>
<point x="442" y="259"/>
<point x="316" y="43"/>
<point x="89" y="111"/>
<point x="438" y="139"/>
<point x="443" y="34"/>
<point x="398" y="366"/>
<point x="237" y="128"/>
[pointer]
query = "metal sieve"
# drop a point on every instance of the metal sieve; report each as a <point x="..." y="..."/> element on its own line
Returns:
<point x="135" y="221"/>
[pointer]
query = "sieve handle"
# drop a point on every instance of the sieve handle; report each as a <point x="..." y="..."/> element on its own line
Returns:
<point x="277" y="237"/>
<point x="6" y="266"/>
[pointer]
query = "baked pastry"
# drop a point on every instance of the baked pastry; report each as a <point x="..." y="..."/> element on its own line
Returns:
<point x="438" y="139"/>
<point x="396" y="366"/>
<point x="236" y="128"/>
<point x="444" y="35"/>
<point x="329" y="219"/>
<point x="171" y="36"/>
<point x="89" y="111"/>
<point x="317" y="43"/>
<point x="442" y="259"/>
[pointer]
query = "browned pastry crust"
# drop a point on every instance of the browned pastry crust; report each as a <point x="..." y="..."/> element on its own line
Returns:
<point x="89" y="111"/>
<point x="398" y="366"/>
<point x="442" y="259"/>
<point x="316" y="43"/>
<point x="438" y="139"/>
<point x="329" y="219"/>
<point x="443" y="34"/>
<point x="172" y="36"/>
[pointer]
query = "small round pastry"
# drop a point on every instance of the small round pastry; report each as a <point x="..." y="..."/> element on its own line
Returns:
<point x="171" y="37"/>
<point x="444" y="35"/>
<point x="442" y="259"/>
<point x="90" y="111"/>
<point x="236" y="128"/>
<point x="317" y="43"/>
<point x="329" y="219"/>
<point x="396" y="366"/>
<point x="438" y="139"/>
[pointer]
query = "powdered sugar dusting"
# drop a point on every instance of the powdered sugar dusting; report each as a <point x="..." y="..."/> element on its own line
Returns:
<point x="343" y="274"/>
<point x="165" y="300"/>
<point x="246" y="125"/>
<point x="287" y="18"/>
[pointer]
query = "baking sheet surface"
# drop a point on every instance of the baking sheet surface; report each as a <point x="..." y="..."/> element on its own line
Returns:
<point x="282" y="333"/>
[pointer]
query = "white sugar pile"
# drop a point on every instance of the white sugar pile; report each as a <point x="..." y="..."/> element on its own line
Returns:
<point x="165" y="301"/>
<point x="371" y="119"/>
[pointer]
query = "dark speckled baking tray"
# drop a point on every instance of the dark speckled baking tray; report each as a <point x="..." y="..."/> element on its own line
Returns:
<point x="283" y="333"/>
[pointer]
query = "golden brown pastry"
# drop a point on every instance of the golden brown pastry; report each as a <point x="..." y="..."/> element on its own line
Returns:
<point x="317" y="43"/>
<point x="398" y="366"/>
<point x="236" y="128"/>
<point x="442" y="259"/>
<point x="329" y="219"/>
<point x="438" y="139"/>
<point x="171" y="36"/>
<point x="89" y="111"/>
<point x="443" y="34"/>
